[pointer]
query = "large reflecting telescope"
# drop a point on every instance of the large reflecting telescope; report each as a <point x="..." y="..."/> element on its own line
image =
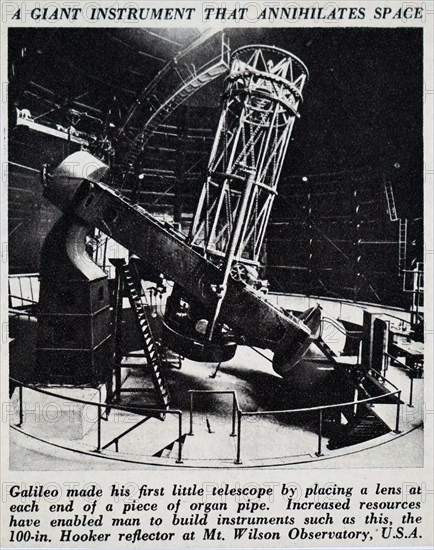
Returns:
<point x="260" y="104"/>
<point x="219" y="295"/>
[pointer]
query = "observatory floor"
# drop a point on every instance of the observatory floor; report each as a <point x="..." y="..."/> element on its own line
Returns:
<point x="266" y="441"/>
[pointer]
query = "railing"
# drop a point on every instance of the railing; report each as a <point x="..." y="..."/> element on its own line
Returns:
<point x="27" y="313"/>
<point x="341" y="329"/>
<point x="238" y="414"/>
<point x="340" y="308"/>
<point x="23" y="290"/>
<point x="413" y="373"/>
<point x="146" y="412"/>
<point x="235" y="406"/>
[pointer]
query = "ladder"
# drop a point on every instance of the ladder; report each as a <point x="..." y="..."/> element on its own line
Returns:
<point x="150" y="348"/>
<point x="402" y="253"/>
<point x="390" y="198"/>
<point x="417" y="308"/>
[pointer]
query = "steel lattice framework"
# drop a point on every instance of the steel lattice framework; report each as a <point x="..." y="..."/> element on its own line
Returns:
<point x="260" y="104"/>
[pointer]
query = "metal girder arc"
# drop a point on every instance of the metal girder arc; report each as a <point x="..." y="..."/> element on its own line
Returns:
<point x="245" y="311"/>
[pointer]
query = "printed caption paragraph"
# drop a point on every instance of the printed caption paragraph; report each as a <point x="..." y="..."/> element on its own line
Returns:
<point x="213" y="513"/>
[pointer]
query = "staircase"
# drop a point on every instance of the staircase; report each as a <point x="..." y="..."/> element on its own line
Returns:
<point x="149" y="345"/>
<point x="370" y="386"/>
<point x="363" y="426"/>
<point x="326" y="349"/>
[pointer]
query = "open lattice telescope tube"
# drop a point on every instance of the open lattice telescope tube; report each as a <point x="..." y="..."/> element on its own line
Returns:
<point x="260" y="104"/>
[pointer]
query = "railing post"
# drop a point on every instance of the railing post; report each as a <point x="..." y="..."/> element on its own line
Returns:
<point x="238" y="459"/>
<point x="118" y="330"/>
<point x="98" y="435"/>
<point x="191" y="414"/>
<point x="410" y="404"/>
<point x="398" y="412"/>
<point x="319" y="452"/>
<point x="356" y="398"/>
<point x="179" y="459"/>
<point x="234" y="413"/>
<point x="20" y="400"/>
